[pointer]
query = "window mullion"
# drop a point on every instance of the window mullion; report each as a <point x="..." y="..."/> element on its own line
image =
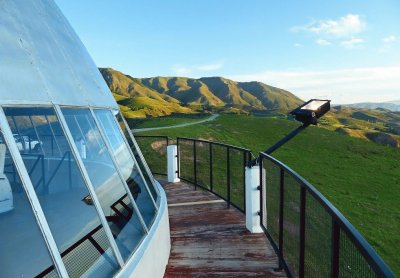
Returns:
<point x="138" y="151"/>
<point x="89" y="185"/>
<point x="136" y="163"/>
<point x="111" y="152"/>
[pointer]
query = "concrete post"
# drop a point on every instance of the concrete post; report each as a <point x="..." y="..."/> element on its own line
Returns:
<point x="172" y="163"/>
<point x="252" y="180"/>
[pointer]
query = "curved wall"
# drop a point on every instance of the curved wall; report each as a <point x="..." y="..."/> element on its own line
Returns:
<point x="43" y="61"/>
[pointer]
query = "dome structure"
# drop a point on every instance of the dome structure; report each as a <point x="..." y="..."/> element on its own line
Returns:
<point x="76" y="196"/>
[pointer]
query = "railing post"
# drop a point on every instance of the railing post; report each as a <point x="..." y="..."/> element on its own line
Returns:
<point x="195" y="164"/>
<point x="302" y="230"/>
<point x="228" y="175"/>
<point x="335" y="249"/>
<point x="281" y="200"/>
<point x="253" y="198"/>
<point x="244" y="179"/>
<point x="172" y="163"/>
<point x="211" y="169"/>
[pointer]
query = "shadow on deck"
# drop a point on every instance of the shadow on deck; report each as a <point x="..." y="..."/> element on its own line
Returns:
<point x="209" y="240"/>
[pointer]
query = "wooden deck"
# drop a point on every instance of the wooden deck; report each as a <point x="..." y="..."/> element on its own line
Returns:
<point x="209" y="240"/>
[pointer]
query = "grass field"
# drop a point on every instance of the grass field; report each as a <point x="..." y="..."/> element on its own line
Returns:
<point x="362" y="179"/>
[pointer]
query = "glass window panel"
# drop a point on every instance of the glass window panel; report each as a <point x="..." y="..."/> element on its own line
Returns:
<point x="23" y="251"/>
<point x="116" y="205"/>
<point x="149" y="179"/>
<point x="126" y="164"/>
<point x="62" y="192"/>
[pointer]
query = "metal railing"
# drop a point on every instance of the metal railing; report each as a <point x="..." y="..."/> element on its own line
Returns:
<point x="216" y="167"/>
<point x="154" y="149"/>
<point x="310" y="236"/>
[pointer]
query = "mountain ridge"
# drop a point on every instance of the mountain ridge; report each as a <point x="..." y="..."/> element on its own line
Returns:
<point x="162" y="96"/>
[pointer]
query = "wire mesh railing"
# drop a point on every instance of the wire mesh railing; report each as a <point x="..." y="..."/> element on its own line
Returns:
<point x="311" y="237"/>
<point x="216" y="167"/>
<point x="154" y="149"/>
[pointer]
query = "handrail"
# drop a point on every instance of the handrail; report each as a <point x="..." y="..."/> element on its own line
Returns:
<point x="213" y="182"/>
<point x="373" y="259"/>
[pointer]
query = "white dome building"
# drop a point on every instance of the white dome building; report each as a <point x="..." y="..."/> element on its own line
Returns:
<point x="76" y="197"/>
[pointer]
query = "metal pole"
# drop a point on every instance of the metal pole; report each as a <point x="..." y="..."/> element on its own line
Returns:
<point x="244" y="180"/>
<point x="194" y="164"/>
<point x="228" y="175"/>
<point x="281" y="201"/>
<point x="302" y="230"/>
<point x="335" y="245"/>
<point x="286" y="139"/>
<point x="211" y="167"/>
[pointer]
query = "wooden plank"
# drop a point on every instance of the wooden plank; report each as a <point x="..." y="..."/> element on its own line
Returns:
<point x="210" y="240"/>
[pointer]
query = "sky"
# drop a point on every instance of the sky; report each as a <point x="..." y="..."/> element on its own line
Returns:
<point x="343" y="50"/>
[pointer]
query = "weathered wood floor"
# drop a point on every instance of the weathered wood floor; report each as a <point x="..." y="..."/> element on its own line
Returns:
<point x="209" y="240"/>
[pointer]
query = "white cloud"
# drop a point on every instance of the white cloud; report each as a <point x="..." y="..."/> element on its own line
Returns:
<point x="342" y="85"/>
<point x="389" y="39"/>
<point x="209" y="67"/>
<point x="345" y="26"/>
<point x="196" y="70"/>
<point x="181" y="70"/>
<point x="323" y="42"/>
<point x="298" y="45"/>
<point x="352" y="43"/>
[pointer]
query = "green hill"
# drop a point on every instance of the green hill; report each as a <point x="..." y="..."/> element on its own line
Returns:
<point x="379" y="125"/>
<point x="161" y="96"/>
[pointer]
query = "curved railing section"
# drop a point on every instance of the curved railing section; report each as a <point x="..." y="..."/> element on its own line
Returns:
<point x="310" y="236"/>
<point x="216" y="167"/>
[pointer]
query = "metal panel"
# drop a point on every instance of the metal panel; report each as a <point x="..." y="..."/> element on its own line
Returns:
<point x="43" y="60"/>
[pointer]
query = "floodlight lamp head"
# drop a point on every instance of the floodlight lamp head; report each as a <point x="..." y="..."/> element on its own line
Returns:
<point x="309" y="112"/>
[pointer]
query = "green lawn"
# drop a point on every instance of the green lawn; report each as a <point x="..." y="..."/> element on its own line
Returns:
<point x="362" y="179"/>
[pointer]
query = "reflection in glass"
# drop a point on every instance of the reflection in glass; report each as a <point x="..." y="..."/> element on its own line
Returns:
<point x="23" y="251"/>
<point x="142" y="167"/>
<point x="61" y="190"/>
<point x="116" y="205"/>
<point x="126" y="164"/>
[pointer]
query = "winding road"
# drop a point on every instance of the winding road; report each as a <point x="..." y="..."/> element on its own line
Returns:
<point x="212" y="117"/>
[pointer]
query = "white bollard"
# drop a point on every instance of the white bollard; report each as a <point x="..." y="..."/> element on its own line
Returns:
<point x="172" y="163"/>
<point x="252" y="181"/>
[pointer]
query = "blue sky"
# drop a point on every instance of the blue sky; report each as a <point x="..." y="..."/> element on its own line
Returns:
<point x="345" y="50"/>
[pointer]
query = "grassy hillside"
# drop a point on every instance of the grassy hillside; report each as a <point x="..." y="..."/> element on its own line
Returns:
<point x="161" y="96"/>
<point x="361" y="178"/>
<point x="379" y="125"/>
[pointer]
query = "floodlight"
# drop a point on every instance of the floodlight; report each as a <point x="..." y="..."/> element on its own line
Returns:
<point x="309" y="112"/>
